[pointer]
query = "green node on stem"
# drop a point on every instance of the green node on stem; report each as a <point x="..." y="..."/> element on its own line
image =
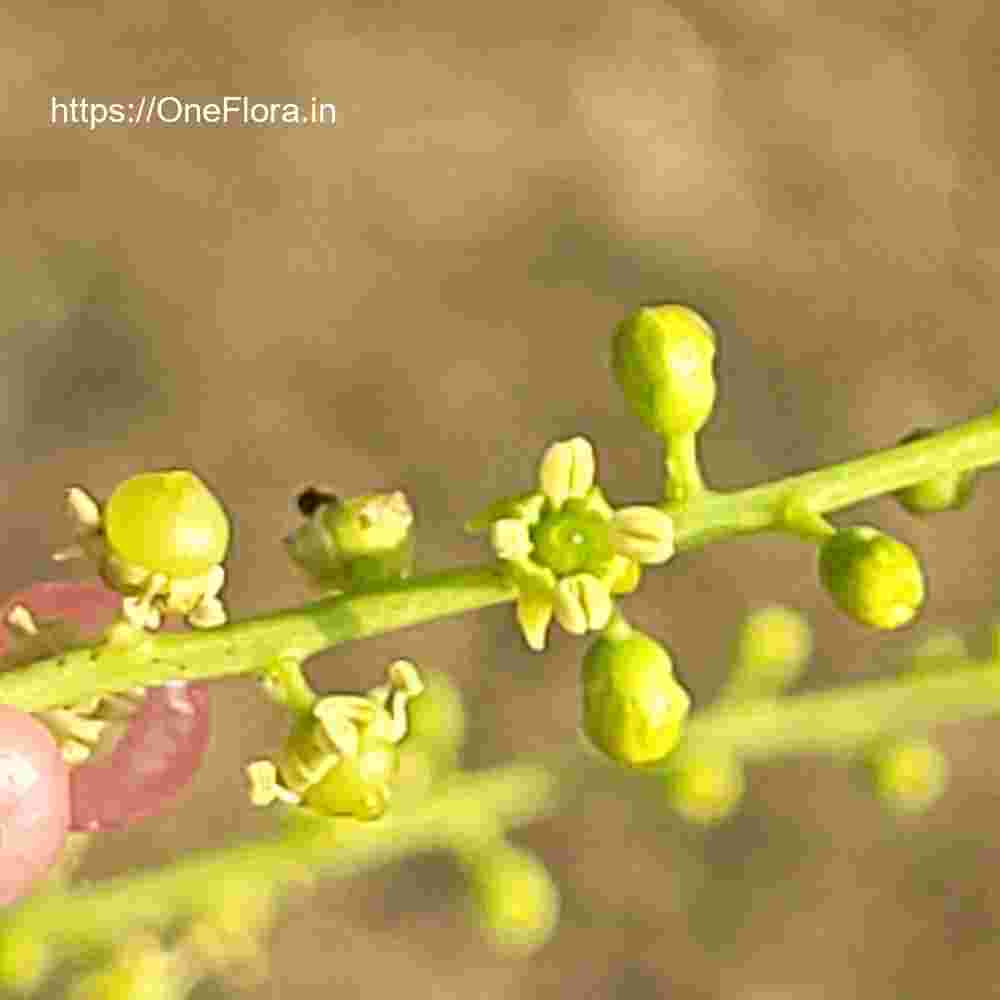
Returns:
<point x="948" y="490"/>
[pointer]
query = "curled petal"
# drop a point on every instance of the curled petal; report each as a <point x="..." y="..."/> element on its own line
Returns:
<point x="567" y="470"/>
<point x="262" y="777"/>
<point x="643" y="533"/>
<point x="582" y="604"/>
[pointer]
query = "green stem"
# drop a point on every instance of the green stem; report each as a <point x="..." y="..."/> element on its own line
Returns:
<point x="846" y="719"/>
<point x="254" y="644"/>
<point x="682" y="481"/>
<point x="287" y="685"/>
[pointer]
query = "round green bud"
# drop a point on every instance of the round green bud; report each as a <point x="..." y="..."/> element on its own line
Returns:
<point x="772" y="650"/>
<point x="945" y="491"/>
<point x="662" y="358"/>
<point x="516" y="900"/>
<point x="436" y="720"/>
<point x="872" y="577"/>
<point x="166" y="522"/>
<point x="908" y="775"/>
<point x="633" y="706"/>
<point x="706" y="790"/>
<point x="358" y="785"/>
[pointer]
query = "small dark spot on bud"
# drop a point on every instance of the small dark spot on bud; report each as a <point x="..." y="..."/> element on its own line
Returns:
<point x="311" y="499"/>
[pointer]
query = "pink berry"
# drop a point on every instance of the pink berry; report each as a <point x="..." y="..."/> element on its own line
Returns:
<point x="161" y="749"/>
<point x="90" y="607"/>
<point x="156" y="757"/>
<point x="34" y="802"/>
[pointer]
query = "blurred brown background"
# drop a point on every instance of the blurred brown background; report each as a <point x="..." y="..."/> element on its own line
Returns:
<point x="422" y="297"/>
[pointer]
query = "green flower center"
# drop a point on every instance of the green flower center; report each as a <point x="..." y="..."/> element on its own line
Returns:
<point x="572" y="541"/>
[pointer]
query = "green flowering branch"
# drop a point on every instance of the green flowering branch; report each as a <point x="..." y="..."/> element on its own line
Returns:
<point x="563" y="552"/>
<point x="80" y="921"/>
<point x="63" y="925"/>
<point x="250" y="646"/>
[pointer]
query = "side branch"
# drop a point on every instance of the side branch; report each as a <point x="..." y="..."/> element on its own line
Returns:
<point x="710" y="516"/>
<point x="846" y="719"/>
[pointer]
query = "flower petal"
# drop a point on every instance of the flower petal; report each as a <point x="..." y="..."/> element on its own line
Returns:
<point x="582" y="603"/>
<point x="643" y="533"/>
<point x="567" y="470"/>
<point x="510" y="538"/>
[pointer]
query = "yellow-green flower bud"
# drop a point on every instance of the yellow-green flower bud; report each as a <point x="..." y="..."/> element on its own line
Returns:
<point x="874" y="578"/>
<point x="705" y="790"/>
<point x="364" y="541"/>
<point x="633" y="706"/>
<point x="166" y="522"/>
<point x="662" y="359"/>
<point x="515" y="898"/>
<point x="908" y="775"/>
<point x="945" y="491"/>
<point x="772" y="649"/>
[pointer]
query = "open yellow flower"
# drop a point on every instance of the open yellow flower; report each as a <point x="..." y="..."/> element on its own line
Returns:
<point x="568" y="551"/>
